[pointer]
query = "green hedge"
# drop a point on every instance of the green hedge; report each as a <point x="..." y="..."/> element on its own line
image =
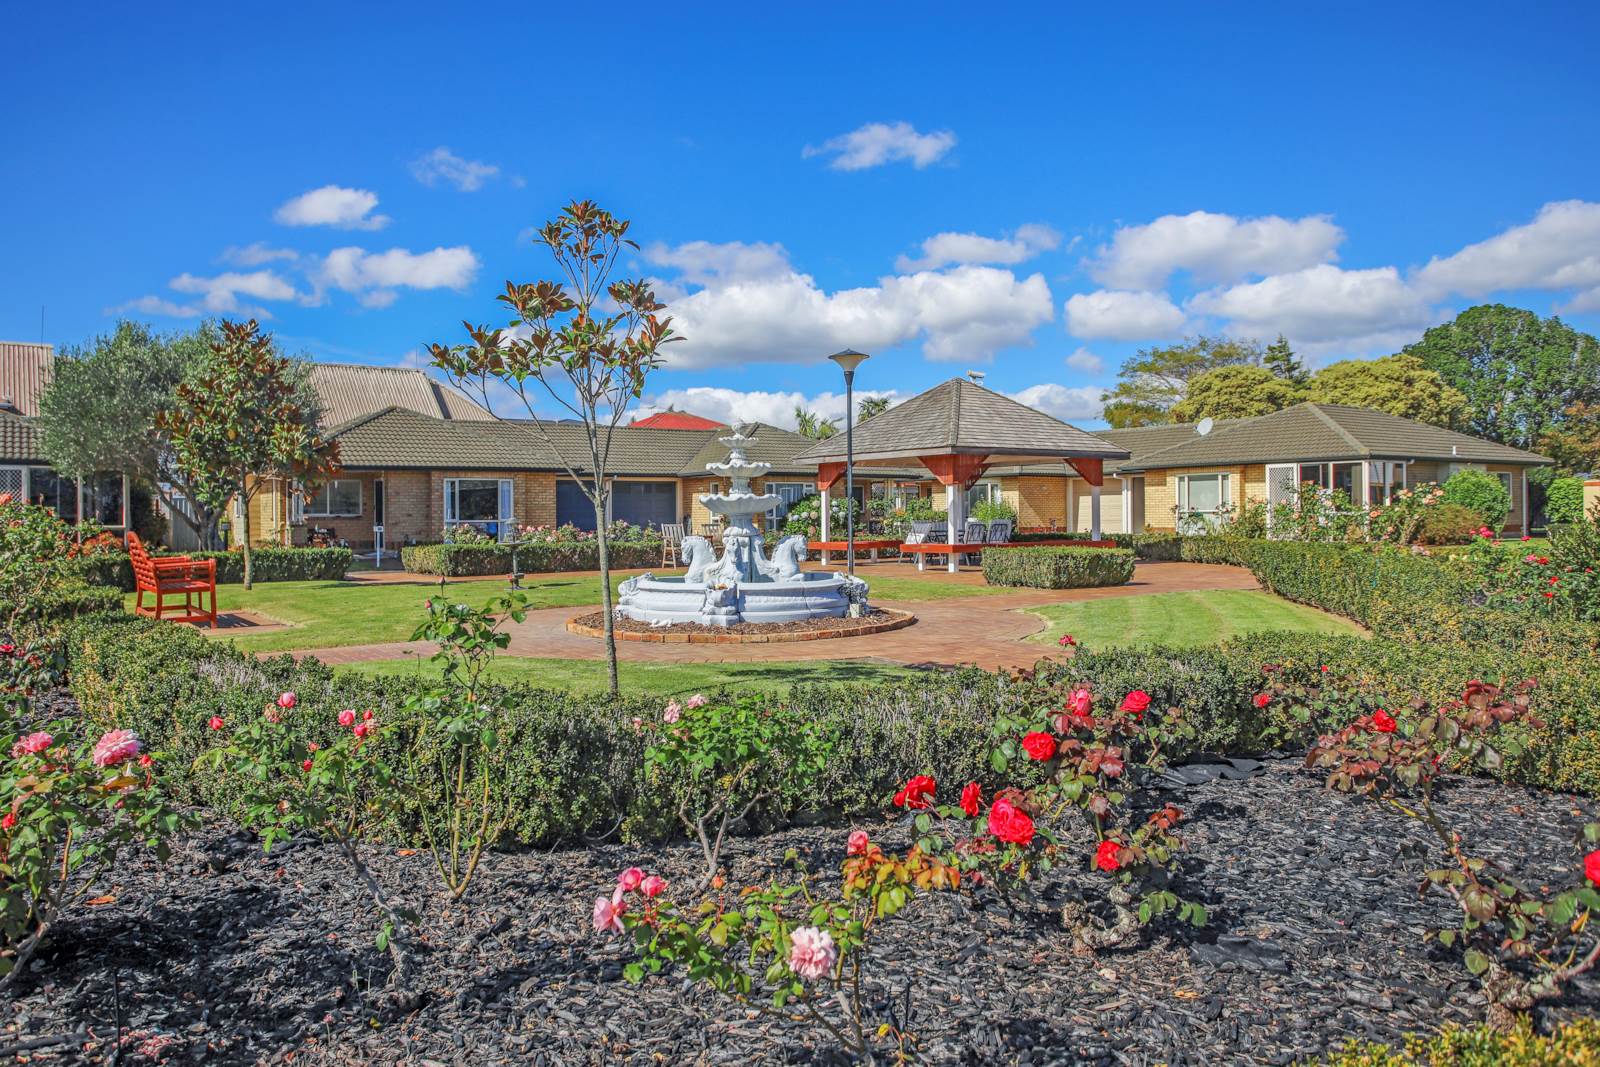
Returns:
<point x="460" y="561"/>
<point x="267" y="565"/>
<point x="1576" y="1044"/>
<point x="1058" y="568"/>
<point x="73" y="600"/>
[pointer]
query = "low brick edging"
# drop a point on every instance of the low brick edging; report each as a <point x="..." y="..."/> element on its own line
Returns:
<point x="897" y="620"/>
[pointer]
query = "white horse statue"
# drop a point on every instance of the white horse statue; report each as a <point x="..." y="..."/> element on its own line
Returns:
<point x="699" y="554"/>
<point x="787" y="555"/>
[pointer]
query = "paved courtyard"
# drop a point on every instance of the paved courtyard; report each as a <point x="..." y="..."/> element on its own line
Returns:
<point x="986" y="631"/>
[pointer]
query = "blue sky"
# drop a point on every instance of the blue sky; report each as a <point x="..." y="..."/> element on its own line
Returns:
<point x="1032" y="193"/>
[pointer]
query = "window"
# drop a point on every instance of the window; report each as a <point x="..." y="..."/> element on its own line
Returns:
<point x="1347" y="480"/>
<point x="481" y="502"/>
<point x="50" y="490"/>
<point x="340" y="497"/>
<point x="1314" y="474"/>
<point x="1201" y="499"/>
<point x="103" y="500"/>
<point x="790" y="494"/>
<point x="1383" y="479"/>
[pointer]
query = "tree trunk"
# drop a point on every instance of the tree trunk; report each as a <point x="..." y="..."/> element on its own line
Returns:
<point x="602" y="543"/>
<point x="244" y="527"/>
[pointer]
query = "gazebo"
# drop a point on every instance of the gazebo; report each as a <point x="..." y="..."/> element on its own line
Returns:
<point x="957" y="430"/>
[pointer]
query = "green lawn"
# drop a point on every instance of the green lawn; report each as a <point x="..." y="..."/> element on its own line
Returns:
<point x="662" y="679"/>
<point x="1194" y="618"/>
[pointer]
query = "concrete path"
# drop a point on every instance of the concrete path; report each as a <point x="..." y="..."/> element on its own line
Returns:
<point x="988" y="631"/>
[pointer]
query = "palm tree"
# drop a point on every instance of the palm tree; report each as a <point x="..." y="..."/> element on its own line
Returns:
<point x="810" y="424"/>
<point x="870" y="406"/>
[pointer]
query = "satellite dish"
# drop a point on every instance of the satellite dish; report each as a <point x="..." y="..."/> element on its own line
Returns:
<point x="1203" y="427"/>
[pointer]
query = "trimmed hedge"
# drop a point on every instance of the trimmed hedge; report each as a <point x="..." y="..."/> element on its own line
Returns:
<point x="73" y="600"/>
<point x="461" y="561"/>
<point x="1576" y="1044"/>
<point x="1058" y="568"/>
<point x="267" y="564"/>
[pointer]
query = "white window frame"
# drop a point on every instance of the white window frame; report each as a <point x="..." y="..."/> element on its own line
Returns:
<point x="504" y="524"/>
<point x="1388" y="475"/>
<point x="791" y="493"/>
<point x="1224" y="497"/>
<point x="310" y="500"/>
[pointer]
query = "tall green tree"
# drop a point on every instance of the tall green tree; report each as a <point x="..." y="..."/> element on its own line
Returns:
<point x="246" y="415"/>
<point x="1236" y="392"/>
<point x="1153" y="380"/>
<point x="1400" y="385"/>
<point x="810" y="424"/>
<point x="101" y="412"/>
<point x="1519" y="372"/>
<point x="1280" y="359"/>
<point x="585" y="341"/>
<point x="1575" y="443"/>
<point x="870" y="406"/>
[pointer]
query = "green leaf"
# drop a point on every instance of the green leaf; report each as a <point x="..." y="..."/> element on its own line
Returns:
<point x="1476" y="961"/>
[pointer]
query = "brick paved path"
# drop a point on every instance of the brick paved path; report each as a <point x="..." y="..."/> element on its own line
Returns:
<point x="987" y="631"/>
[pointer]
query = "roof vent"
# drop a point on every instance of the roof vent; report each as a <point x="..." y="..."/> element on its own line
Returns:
<point x="1204" y="426"/>
<point x="1455" y="450"/>
<point x="977" y="376"/>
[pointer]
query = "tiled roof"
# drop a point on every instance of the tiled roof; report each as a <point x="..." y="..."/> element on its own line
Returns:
<point x="678" y="420"/>
<point x="19" y="440"/>
<point x="1312" y="431"/>
<point x="960" y="416"/>
<point x="24" y="372"/>
<point x="352" y="390"/>
<point x="768" y="444"/>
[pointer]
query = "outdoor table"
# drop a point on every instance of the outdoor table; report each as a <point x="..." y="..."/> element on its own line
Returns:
<point x="954" y="549"/>
<point x="873" y="546"/>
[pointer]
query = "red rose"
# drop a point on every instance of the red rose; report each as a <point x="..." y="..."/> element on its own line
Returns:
<point x="971" y="799"/>
<point x="1263" y="699"/>
<point x="1105" y="857"/>
<point x="1136" y="701"/>
<point x="1039" y="746"/>
<point x="305" y="765"/>
<point x="1067" y="641"/>
<point x="1323" y="668"/>
<point x="1080" y="701"/>
<point x="917" y="793"/>
<point x="1383" y="722"/>
<point x="216" y="722"/>
<point x="1010" y="824"/>
<point x="1591" y="867"/>
<point x="9" y="821"/>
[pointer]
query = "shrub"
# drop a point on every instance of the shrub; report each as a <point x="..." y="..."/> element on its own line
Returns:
<point x="466" y="560"/>
<point x="1481" y="492"/>
<point x="1574" y="1044"/>
<point x="1058" y="567"/>
<point x="270" y="565"/>
<point x="992" y="511"/>
<point x="71" y="600"/>
<point x="1563" y="500"/>
<point x="1449" y="524"/>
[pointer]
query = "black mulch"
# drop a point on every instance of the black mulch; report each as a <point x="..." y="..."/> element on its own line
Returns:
<point x="227" y="956"/>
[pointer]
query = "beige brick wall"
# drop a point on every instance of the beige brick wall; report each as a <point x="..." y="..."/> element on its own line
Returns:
<point x="1038" y="498"/>
<point x="1591" y="496"/>
<point x="1083" y="505"/>
<point x="1161" y="490"/>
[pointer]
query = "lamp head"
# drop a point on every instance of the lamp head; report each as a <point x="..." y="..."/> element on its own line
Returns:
<point x="849" y="359"/>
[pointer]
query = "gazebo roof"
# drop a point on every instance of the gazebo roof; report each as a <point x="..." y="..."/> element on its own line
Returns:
<point x="960" y="417"/>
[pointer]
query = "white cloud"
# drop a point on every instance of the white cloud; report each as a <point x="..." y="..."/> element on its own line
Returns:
<point x="220" y="294"/>
<point x="775" y="408"/>
<point x="878" y="143"/>
<point x="1121" y="315"/>
<point x="333" y="205"/>
<point x="1589" y="301"/>
<point x="1214" y="248"/>
<point x="1321" y="305"/>
<point x="967" y="248"/>
<point x="441" y="164"/>
<point x="374" y="276"/>
<point x="156" y="305"/>
<point x="753" y="306"/>
<point x="1062" y="401"/>
<point x="1559" y="249"/>
<point x="1086" y="361"/>
<point x="256" y="254"/>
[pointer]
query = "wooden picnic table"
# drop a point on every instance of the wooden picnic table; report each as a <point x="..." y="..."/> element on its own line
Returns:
<point x="956" y="549"/>
<point x="872" y="545"/>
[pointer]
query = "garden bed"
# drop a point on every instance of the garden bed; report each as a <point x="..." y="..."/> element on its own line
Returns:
<point x="230" y="956"/>
<point x="875" y="621"/>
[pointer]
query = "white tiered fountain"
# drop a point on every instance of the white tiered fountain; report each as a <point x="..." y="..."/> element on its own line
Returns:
<point x="742" y="586"/>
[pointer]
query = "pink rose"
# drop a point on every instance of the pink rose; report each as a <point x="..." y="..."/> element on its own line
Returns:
<point x="673" y="712"/>
<point x="305" y="765"/>
<point x="812" y="953"/>
<point x="856" y="844"/>
<point x="33" y="744"/>
<point x="1080" y="701"/>
<point x="696" y="701"/>
<point x="114" y="747"/>
<point x="362" y="729"/>
<point x="629" y="879"/>
<point x="653" y="886"/>
<point x="608" y="913"/>
<point x="347" y="717"/>
<point x="287" y="701"/>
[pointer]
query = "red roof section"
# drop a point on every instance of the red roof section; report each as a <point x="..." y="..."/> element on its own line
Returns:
<point x="679" y="420"/>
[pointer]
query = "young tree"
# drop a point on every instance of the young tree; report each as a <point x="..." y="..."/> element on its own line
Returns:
<point x="1398" y="384"/>
<point x="810" y="424"/>
<point x="1154" y="379"/>
<point x="246" y="415"/>
<point x="1236" y="392"/>
<point x="101" y="411"/>
<point x="870" y="406"/>
<point x="587" y="342"/>
<point x="1281" y="360"/>
<point x="1519" y="372"/>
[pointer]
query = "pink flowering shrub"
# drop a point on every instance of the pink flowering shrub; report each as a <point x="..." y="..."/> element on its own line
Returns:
<point x="1562" y="581"/>
<point x="784" y="946"/>
<point x="728" y="759"/>
<point x="1523" y="945"/>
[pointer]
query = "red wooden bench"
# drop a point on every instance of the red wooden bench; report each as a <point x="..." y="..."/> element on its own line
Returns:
<point x="171" y="576"/>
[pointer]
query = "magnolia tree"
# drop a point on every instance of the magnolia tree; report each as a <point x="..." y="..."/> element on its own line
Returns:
<point x="246" y="415"/>
<point x="587" y="342"/>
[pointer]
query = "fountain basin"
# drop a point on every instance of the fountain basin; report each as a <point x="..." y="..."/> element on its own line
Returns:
<point x="806" y="595"/>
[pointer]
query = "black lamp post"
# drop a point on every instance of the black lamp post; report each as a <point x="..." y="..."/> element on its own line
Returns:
<point x="849" y="360"/>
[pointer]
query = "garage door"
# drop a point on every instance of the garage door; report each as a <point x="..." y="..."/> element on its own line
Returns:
<point x="572" y="506"/>
<point x="645" y="503"/>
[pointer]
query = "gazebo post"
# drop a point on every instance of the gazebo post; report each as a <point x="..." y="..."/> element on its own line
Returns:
<point x="828" y="475"/>
<point x="1093" y="472"/>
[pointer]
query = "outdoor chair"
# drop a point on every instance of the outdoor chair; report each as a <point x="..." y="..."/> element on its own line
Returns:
<point x="999" y="532"/>
<point x="171" y="576"/>
<point x="671" y="539"/>
<point x="711" y="530"/>
<point x="921" y="531"/>
<point x="974" y="533"/>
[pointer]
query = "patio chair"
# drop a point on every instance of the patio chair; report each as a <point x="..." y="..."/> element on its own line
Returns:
<point x="999" y="532"/>
<point x="671" y="538"/>
<point x="975" y="533"/>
